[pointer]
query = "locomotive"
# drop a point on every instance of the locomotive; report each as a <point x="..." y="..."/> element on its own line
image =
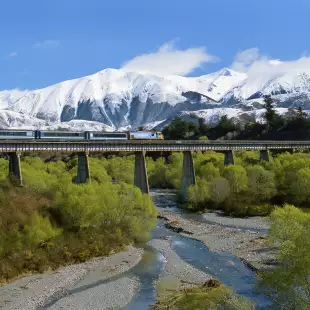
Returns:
<point x="75" y="135"/>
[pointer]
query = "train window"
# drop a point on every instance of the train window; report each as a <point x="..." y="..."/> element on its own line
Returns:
<point x="110" y="135"/>
<point x="62" y="134"/>
<point x="13" y="133"/>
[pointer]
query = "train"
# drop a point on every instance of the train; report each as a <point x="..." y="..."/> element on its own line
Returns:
<point x="77" y="136"/>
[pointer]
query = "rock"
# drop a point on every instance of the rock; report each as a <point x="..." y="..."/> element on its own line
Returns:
<point x="177" y="229"/>
<point x="212" y="283"/>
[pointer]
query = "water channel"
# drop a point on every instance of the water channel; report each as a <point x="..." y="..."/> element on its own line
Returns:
<point x="224" y="266"/>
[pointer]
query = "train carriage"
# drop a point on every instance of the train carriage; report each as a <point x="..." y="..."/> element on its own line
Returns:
<point x="60" y="135"/>
<point x="17" y="134"/>
<point x="106" y="136"/>
<point x="145" y="135"/>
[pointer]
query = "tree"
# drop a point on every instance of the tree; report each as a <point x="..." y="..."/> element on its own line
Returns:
<point x="199" y="194"/>
<point x="261" y="183"/>
<point x="300" y="186"/>
<point x="301" y="114"/>
<point x="288" y="285"/>
<point x="237" y="177"/>
<point x="219" y="190"/>
<point x="202" y="127"/>
<point x="297" y="119"/>
<point x="224" y="126"/>
<point x="209" y="172"/>
<point x="157" y="176"/>
<point x="180" y="130"/>
<point x="270" y="115"/>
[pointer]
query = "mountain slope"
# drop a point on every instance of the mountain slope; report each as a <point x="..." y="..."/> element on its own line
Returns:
<point x="118" y="99"/>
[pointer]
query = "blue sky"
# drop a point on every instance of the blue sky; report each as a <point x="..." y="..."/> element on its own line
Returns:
<point x="47" y="41"/>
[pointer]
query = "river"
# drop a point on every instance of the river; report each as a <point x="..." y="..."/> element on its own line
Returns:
<point x="126" y="280"/>
<point x="224" y="266"/>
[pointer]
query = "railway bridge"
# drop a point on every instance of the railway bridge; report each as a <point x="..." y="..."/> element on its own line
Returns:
<point x="139" y="147"/>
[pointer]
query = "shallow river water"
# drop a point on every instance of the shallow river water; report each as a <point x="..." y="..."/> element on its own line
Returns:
<point x="224" y="266"/>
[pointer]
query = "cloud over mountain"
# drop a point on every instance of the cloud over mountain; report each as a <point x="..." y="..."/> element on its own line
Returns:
<point x="169" y="60"/>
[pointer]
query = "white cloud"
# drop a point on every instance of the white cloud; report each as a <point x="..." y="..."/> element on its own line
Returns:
<point x="253" y="63"/>
<point x="245" y="59"/>
<point x="260" y="68"/>
<point x="47" y="44"/>
<point x="13" y="54"/>
<point x="169" y="60"/>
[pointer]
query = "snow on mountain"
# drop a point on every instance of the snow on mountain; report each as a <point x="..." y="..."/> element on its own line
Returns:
<point x="11" y="119"/>
<point x="212" y="116"/>
<point x="113" y="99"/>
<point x="8" y="97"/>
<point x="79" y="125"/>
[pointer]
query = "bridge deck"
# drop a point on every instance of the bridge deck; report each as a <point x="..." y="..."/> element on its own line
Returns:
<point x="146" y="145"/>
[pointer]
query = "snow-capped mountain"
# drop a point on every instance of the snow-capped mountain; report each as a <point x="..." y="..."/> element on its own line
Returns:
<point x="114" y="99"/>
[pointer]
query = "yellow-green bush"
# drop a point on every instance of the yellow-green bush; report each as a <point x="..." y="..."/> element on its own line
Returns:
<point x="171" y="296"/>
<point x="288" y="284"/>
<point x="198" y="195"/>
<point x="51" y="221"/>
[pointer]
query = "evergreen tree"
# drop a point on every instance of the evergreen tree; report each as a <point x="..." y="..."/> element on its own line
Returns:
<point x="297" y="119"/>
<point x="271" y="114"/>
<point x="301" y="114"/>
<point x="202" y="127"/>
<point x="180" y="130"/>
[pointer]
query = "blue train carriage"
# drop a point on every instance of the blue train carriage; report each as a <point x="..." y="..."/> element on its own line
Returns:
<point x="17" y="134"/>
<point x="146" y="135"/>
<point x="60" y="135"/>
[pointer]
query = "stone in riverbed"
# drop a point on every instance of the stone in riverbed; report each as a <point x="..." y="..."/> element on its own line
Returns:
<point x="173" y="225"/>
<point x="214" y="283"/>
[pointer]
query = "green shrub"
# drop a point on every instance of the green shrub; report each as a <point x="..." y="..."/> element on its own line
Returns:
<point x="198" y="195"/>
<point x="171" y="296"/>
<point x="52" y="221"/>
<point x="288" y="284"/>
<point x="38" y="230"/>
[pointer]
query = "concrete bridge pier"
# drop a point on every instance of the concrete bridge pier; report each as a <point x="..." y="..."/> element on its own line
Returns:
<point x="188" y="174"/>
<point x="229" y="158"/>
<point x="140" y="177"/>
<point x="264" y="156"/>
<point x="15" y="173"/>
<point x="83" y="174"/>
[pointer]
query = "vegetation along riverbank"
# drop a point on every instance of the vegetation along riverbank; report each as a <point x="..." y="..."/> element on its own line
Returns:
<point x="52" y="222"/>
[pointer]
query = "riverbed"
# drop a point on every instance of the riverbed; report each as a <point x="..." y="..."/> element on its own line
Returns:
<point x="127" y="280"/>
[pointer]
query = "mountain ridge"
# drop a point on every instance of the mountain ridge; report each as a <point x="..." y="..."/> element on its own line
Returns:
<point x="119" y="99"/>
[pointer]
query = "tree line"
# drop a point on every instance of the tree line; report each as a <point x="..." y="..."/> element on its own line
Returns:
<point x="292" y="125"/>
<point x="247" y="188"/>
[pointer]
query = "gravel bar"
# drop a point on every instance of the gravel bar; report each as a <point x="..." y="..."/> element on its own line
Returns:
<point x="256" y="222"/>
<point x="175" y="267"/>
<point x="250" y="246"/>
<point x="112" y="295"/>
<point x="35" y="291"/>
